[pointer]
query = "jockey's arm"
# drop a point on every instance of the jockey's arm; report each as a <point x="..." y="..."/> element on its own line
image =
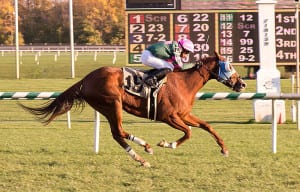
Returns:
<point x="176" y="59"/>
<point x="177" y="62"/>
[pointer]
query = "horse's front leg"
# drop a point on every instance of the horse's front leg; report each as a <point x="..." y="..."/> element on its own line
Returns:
<point x="194" y="121"/>
<point x="176" y="122"/>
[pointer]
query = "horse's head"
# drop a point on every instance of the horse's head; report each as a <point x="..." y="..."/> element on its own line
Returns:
<point x="224" y="72"/>
<point x="228" y="75"/>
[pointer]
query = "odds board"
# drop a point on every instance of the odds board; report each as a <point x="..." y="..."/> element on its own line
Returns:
<point x="232" y="33"/>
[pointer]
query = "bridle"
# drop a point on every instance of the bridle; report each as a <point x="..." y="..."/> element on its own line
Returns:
<point x="222" y="76"/>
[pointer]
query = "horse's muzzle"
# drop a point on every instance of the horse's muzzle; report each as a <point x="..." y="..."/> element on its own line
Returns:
<point x="239" y="86"/>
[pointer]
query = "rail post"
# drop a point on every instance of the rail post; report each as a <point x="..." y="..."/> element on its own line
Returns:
<point x="97" y="132"/>
<point x="274" y="126"/>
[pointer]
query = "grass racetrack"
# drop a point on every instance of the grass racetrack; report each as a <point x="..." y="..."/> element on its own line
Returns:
<point x="34" y="157"/>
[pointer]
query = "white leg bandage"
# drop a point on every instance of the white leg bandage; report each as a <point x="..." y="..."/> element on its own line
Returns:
<point x="131" y="152"/>
<point x="137" y="140"/>
<point x="173" y="145"/>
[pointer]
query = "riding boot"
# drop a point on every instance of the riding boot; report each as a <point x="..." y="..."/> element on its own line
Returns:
<point x="156" y="76"/>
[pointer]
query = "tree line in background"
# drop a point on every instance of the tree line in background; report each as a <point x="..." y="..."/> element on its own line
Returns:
<point x="96" y="22"/>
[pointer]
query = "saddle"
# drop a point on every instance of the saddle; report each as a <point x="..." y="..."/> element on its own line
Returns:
<point x="134" y="84"/>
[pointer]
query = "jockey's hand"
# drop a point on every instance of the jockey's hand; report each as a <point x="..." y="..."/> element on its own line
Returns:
<point x="177" y="67"/>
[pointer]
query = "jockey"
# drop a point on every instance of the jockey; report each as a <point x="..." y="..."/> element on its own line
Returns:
<point x="165" y="57"/>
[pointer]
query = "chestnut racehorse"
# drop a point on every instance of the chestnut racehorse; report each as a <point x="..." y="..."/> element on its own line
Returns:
<point x="103" y="90"/>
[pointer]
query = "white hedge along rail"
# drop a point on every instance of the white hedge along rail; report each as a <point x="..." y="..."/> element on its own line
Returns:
<point x="199" y="96"/>
<point x="28" y="95"/>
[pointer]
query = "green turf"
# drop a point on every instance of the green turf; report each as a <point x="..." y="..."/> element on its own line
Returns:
<point x="36" y="66"/>
<point x="54" y="158"/>
<point x="44" y="65"/>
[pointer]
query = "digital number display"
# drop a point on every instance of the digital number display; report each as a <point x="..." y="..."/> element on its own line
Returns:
<point x="234" y="34"/>
<point x="153" y="4"/>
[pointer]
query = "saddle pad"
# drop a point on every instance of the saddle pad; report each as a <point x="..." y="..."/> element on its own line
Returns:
<point x="133" y="82"/>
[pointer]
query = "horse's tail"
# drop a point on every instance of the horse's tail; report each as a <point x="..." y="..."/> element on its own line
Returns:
<point x="60" y="105"/>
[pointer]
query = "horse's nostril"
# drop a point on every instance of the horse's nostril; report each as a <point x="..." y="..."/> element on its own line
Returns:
<point x="244" y="85"/>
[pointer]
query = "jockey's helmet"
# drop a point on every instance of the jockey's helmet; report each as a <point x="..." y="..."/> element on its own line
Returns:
<point x="187" y="45"/>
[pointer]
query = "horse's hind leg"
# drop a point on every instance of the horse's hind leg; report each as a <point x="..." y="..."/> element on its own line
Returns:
<point x="141" y="142"/>
<point x="115" y="119"/>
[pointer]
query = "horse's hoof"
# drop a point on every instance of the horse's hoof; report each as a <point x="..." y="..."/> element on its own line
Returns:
<point x="225" y="153"/>
<point x="146" y="164"/>
<point x="163" y="143"/>
<point x="149" y="150"/>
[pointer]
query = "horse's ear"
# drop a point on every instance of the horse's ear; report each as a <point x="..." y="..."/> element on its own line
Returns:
<point x="220" y="57"/>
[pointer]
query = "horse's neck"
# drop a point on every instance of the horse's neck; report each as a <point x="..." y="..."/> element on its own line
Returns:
<point x="196" y="79"/>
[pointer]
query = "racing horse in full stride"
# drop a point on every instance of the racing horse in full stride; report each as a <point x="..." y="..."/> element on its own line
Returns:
<point x="103" y="90"/>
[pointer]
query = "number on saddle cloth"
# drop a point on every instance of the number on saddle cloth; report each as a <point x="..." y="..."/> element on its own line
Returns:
<point x="134" y="84"/>
<point x="133" y="81"/>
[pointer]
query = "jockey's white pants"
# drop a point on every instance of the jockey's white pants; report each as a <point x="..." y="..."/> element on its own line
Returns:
<point x="152" y="61"/>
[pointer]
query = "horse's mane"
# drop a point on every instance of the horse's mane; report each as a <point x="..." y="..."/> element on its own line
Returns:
<point x="207" y="59"/>
<point x="202" y="61"/>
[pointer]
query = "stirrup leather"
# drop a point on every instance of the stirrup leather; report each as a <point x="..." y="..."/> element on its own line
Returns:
<point x="151" y="81"/>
